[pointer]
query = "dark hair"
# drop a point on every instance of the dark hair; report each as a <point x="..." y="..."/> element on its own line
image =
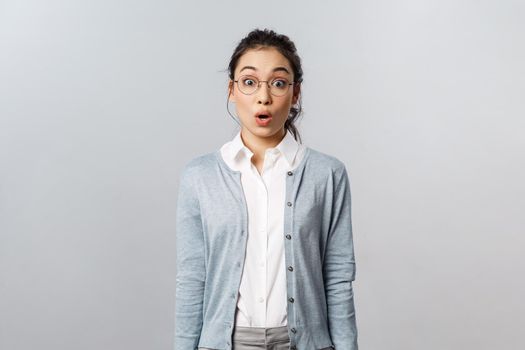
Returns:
<point x="258" y="38"/>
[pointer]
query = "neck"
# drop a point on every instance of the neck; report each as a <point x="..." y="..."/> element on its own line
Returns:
<point x="258" y="145"/>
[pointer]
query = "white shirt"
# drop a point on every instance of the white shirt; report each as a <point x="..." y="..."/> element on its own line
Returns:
<point x="262" y="296"/>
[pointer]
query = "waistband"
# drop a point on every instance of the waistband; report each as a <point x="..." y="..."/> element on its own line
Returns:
<point x="260" y="335"/>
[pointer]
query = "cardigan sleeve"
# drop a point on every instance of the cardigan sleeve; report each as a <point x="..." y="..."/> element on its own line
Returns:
<point x="339" y="267"/>
<point x="190" y="265"/>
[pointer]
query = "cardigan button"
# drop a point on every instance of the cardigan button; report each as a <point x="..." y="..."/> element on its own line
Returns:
<point x="288" y="236"/>
<point x="293" y="347"/>
<point x="290" y="173"/>
<point x="291" y="300"/>
<point x="289" y="204"/>
<point x="290" y="268"/>
<point x="293" y="330"/>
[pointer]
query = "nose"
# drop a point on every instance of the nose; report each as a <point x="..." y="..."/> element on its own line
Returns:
<point x="263" y="94"/>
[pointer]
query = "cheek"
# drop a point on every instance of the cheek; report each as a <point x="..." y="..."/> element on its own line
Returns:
<point x="243" y="108"/>
<point x="287" y="104"/>
<point x="242" y="103"/>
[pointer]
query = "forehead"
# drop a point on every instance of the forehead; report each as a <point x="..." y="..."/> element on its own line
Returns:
<point x="264" y="60"/>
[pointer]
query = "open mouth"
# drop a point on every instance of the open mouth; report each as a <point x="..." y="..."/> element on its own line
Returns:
<point x="263" y="115"/>
<point x="263" y="119"/>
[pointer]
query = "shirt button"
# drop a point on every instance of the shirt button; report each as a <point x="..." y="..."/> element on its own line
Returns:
<point x="290" y="268"/>
<point x="289" y="204"/>
<point x="293" y="330"/>
<point x="261" y="299"/>
<point x="288" y="236"/>
<point x="291" y="300"/>
<point x="290" y="173"/>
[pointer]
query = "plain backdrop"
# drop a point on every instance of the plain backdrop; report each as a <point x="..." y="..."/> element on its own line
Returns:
<point x="103" y="102"/>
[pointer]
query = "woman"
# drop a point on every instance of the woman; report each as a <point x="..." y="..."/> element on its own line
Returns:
<point x="265" y="256"/>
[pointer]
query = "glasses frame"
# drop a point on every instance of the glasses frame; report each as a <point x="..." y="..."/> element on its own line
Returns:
<point x="263" y="81"/>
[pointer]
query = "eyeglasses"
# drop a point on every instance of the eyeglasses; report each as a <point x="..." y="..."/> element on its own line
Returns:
<point x="248" y="84"/>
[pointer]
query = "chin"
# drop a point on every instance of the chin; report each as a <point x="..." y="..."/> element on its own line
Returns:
<point x="259" y="131"/>
<point x="265" y="132"/>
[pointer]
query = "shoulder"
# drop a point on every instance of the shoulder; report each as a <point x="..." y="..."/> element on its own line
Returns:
<point x="200" y="164"/>
<point x="324" y="170"/>
<point x="321" y="161"/>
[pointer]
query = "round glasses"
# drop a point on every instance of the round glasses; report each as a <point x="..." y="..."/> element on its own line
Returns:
<point x="248" y="84"/>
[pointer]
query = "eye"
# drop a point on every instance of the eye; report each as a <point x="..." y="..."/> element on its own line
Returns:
<point x="249" y="81"/>
<point x="280" y="83"/>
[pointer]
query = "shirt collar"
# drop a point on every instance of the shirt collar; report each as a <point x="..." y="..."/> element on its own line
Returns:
<point x="288" y="147"/>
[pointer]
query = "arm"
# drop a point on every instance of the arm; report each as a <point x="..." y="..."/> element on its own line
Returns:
<point x="190" y="266"/>
<point x="339" y="268"/>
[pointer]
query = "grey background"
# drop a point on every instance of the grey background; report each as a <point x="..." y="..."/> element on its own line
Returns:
<point x="102" y="103"/>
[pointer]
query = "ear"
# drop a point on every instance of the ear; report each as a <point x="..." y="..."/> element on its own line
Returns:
<point x="296" y="93"/>
<point x="231" y="96"/>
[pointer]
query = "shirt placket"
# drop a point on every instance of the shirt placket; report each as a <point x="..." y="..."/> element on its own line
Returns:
<point x="263" y="181"/>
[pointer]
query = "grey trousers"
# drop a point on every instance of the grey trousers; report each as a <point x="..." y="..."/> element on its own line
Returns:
<point x="255" y="338"/>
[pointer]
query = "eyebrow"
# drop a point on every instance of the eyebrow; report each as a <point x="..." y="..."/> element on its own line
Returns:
<point x="276" y="69"/>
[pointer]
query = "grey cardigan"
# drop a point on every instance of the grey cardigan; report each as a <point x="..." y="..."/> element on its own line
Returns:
<point x="212" y="227"/>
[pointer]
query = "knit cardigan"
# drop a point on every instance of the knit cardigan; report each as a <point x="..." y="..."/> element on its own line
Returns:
<point x="212" y="229"/>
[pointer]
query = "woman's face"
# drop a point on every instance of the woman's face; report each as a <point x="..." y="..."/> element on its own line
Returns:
<point x="264" y="64"/>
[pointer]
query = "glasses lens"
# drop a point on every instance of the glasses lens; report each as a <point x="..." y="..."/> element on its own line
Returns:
<point x="248" y="84"/>
<point x="279" y="86"/>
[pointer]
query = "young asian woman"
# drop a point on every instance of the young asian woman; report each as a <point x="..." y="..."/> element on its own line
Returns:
<point x="265" y="254"/>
